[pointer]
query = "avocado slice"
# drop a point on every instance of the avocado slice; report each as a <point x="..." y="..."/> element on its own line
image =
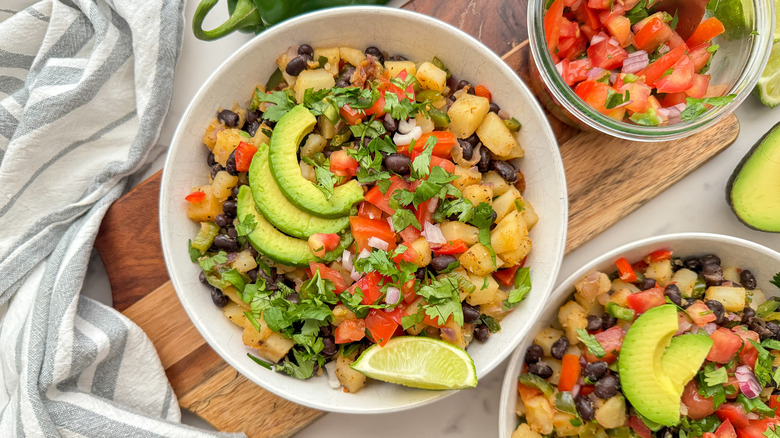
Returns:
<point x="280" y="212"/>
<point x="304" y="194"/>
<point x="642" y="377"/>
<point x="268" y="240"/>
<point x="680" y="357"/>
<point x="753" y="190"/>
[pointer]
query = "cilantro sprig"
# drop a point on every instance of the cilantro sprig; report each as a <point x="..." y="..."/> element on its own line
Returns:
<point x="590" y="341"/>
<point x="696" y="107"/>
<point x="522" y="286"/>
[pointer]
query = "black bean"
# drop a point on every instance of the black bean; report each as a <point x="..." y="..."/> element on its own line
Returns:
<point x="215" y="169"/>
<point x="341" y="83"/>
<point x="229" y="118"/>
<point x="541" y="369"/>
<point x="747" y="313"/>
<point x="606" y="387"/>
<point x="505" y="170"/>
<point x="398" y="163"/>
<point x="398" y="58"/>
<point x="666" y="432"/>
<point x="584" y="407"/>
<point x="594" y="323"/>
<point x="595" y="370"/>
<point x="717" y="309"/>
<point x="253" y="116"/>
<point x="747" y="279"/>
<point x="389" y="123"/>
<point x="484" y="160"/>
<point x="420" y="273"/>
<point x="462" y="84"/>
<point x="773" y="327"/>
<point x="306" y="50"/>
<point x="710" y="259"/>
<point x="252" y="127"/>
<point x="559" y="347"/>
<point x="441" y="262"/>
<point x="608" y="321"/>
<point x="293" y="297"/>
<point x="296" y="66"/>
<point x="230" y="208"/>
<point x="494" y="108"/>
<point x="712" y="274"/>
<point x="222" y="220"/>
<point x="234" y="192"/>
<point x="758" y="325"/>
<point x="346" y="74"/>
<point x="226" y="243"/>
<point x="534" y="353"/>
<point x="219" y="299"/>
<point x="230" y="165"/>
<point x="467" y="148"/>
<point x="210" y="160"/>
<point x="473" y="139"/>
<point x="376" y="53"/>
<point x="202" y="277"/>
<point x="252" y="274"/>
<point x="232" y="232"/>
<point x="692" y="263"/>
<point x="270" y="280"/>
<point x="330" y="348"/>
<point x="470" y="313"/>
<point x="253" y="251"/>
<point x="326" y="330"/>
<point x="646" y="283"/>
<point x="673" y="293"/>
<point x="482" y="333"/>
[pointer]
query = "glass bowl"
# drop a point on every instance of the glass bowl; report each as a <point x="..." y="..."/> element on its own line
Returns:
<point x="737" y="65"/>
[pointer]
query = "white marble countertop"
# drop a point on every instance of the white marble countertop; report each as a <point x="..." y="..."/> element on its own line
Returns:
<point x="696" y="203"/>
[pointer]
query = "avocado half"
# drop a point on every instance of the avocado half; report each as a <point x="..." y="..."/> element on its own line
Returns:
<point x="753" y="190"/>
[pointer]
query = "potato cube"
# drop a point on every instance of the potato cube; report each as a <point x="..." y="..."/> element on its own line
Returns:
<point x="454" y="230"/>
<point x="223" y="184"/>
<point x="244" y="262"/>
<point x="612" y="413"/>
<point x="227" y="142"/>
<point x="457" y="334"/>
<point x="431" y="77"/>
<point x="620" y="297"/>
<point x="505" y="203"/>
<point x="485" y="290"/>
<point x="477" y="260"/>
<point x="333" y="55"/>
<point x="423" y="249"/>
<point x="341" y="313"/>
<point x="499" y="184"/>
<point x="478" y="193"/>
<point x="591" y="307"/>
<point x="685" y="279"/>
<point x="732" y="298"/>
<point x="315" y="79"/>
<point x="260" y="136"/>
<point x="539" y="414"/>
<point x="205" y="210"/>
<point x="396" y="67"/>
<point x="529" y="214"/>
<point x="509" y="234"/>
<point x="546" y="337"/>
<point x="524" y="431"/>
<point x="592" y="285"/>
<point x="562" y="422"/>
<point x="618" y="284"/>
<point x="660" y="271"/>
<point x="275" y="347"/>
<point x="232" y="293"/>
<point x="466" y="177"/>
<point x="235" y="314"/>
<point x="572" y="317"/>
<point x="351" y="55"/>
<point x="556" y="366"/>
<point x="353" y="381"/>
<point x="516" y="256"/>
<point x="210" y="136"/>
<point x="494" y="135"/>
<point x="466" y="114"/>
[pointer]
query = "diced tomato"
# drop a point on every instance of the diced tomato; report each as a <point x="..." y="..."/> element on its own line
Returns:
<point x="408" y="292"/>
<point x="700" y="313"/>
<point x="327" y="273"/>
<point x="320" y="243"/>
<point x="570" y="372"/>
<point x="378" y="108"/>
<point x="658" y="255"/>
<point x="452" y="247"/>
<point x="445" y="140"/>
<point x="614" y="11"/>
<point x="369" y="286"/>
<point x="620" y="28"/>
<point x="645" y="300"/>
<point x="708" y="435"/>
<point x="748" y="354"/>
<point x="396" y="314"/>
<point x="445" y="164"/>
<point x="506" y="276"/>
<point x="699" y="55"/>
<point x="423" y="213"/>
<point x="595" y="94"/>
<point x="611" y="341"/>
<point x="625" y="271"/>
<point x="639" y="92"/>
<point x="552" y="24"/>
<point x="756" y="428"/>
<point x="652" y="102"/>
<point x="571" y="48"/>
<point x="363" y="229"/>
<point x="774" y="402"/>
<point x="587" y="389"/>
<point x="607" y="54"/>
<point x="350" y="330"/>
<point x="369" y="210"/>
<point x="672" y="99"/>
<point x="342" y="164"/>
<point x="654" y="71"/>
<point x="639" y="426"/>
<point x="654" y="33"/>
<point x="382" y="200"/>
<point x="588" y="31"/>
<point x="410" y="254"/>
<point x="707" y="30"/>
<point x="680" y="78"/>
<point x="725" y="345"/>
<point x="675" y="41"/>
<point x="353" y="117"/>
<point x="725" y="430"/>
<point x="699" y="87"/>
<point x="599" y="4"/>
<point x="576" y="71"/>
<point x="698" y="405"/>
<point x="482" y="91"/>
<point x="195" y="197"/>
<point x="586" y="15"/>
<point x="244" y="154"/>
<point x="410" y="234"/>
<point x="381" y="326"/>
<point x="733" y="412"/>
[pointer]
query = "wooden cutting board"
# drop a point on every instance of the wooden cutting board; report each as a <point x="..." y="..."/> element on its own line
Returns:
<point x="607" y="178"/>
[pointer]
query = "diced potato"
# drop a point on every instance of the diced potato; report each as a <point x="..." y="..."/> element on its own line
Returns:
<point x="732" y="298"/>
<point x="423" y="249"/>
<point x="244" y="262"/>
<point x="505" y="203"/>
<point x="499" y="184"/>
<point x="496" y="309"/>
<point x="512" y="258"/>
<point x="210" y="136"/>
<point x="524" y="431"/>
<point x="758" y="298"/>
<point x="223" y="184"/>
<point x="396" y="67"/>
<point x="351" y="56"/>
<point x="478" y="193"/>
<point x="618" y="284"/>
<point x="591" y="307"/>
<point x="205" y="210"/>
<point x="260" y="135"/>
<point x="333" y="55"/>
<point x="660" y="271"/>
<point x="477" y="260"/>
<point x="556" y="366"/>
<point x="562" y="422"/>
<point x="457" y="332"/>
<point x="731" y="273"/>
<point x="466" y="177"/>
<point x="529" y="214"/>
<point x="520" y="409"/>
<point x="411" y="309"/>
<point x="454" y="230"/>
<point x="620" y="297"/>
<point x="353" y="381"/>
<point x="546" y="337"/>
<point x="494" y="135"/>
<point x="318" y="79"/>
<point x="341" y="313"/>
<point x="516" y="152"/>
<point x="307" y="172"/>
<point x="275" y="347"/>
<point x="572" y="317"/>
<point x="254" y="338"/>
<point x="509" y="234"/>
<point x="327" y="129"/>
<point x="463" y="286"/>
<point x="466" y="114"/>
<point x="539" y="414"/>
<point x="431" y="77"/>
<point x="612" y="413"/>
<point x="232" y="293"/>
<point x="592" y="285"/>
<point x="235" y="314"/>
<point x="314" y="143"/>
<point x="227" y="142"/>
<point x="425" y="123"/>
<point x="486" y="290"/>
<point x="685" y="279"/>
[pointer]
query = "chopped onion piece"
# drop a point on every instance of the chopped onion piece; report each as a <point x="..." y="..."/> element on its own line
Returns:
<point x="375" y="242"/>
<point x="559" y="67"/>
<point x="346" y="260"/>
<point x="354" y="275"/>
<point x="390" y="221"/>
<point x="710" y="327"/>
<point x="333" y="380"/>
<point x="393" y="295"/>
<point x="363" y="254"/>
<point x="406" y="126"/>
<point x="448" y="334"/>
<point x="601" y="36"/>
<point x="628" y="102"/>
<point x="613" y="77"/>
<point x="636" y="62"/>
<point x="414" y="134"/>
<point x="595" y="73"/>
<point x="684" y="327"/>
<point x="748" y="384"/>
<point x="433" y="234"/>
<point x="433" y="204"/>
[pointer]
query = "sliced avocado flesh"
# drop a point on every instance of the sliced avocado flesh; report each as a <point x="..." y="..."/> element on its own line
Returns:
<point x="268" y="240"/>
<point x="683" y="358"/>
<point x="642" y="377"/>
<point x="283" y="214"/>
<point x="283" y="157"/>
<point x="754" y="188"/>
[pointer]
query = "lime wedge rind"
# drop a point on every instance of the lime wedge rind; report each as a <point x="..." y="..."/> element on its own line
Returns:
<point x="768" y="86"/>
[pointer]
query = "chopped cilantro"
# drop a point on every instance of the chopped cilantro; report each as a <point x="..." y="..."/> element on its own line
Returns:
<point x="443" y="299"/>
<point x="282" y="100"/>
<point x="370" y="129"/>
<point x="422" y="164"/>
<point x="208" y="263"/>
<point x="649" y="118"/>
<point x="235" y="278"/>
<point x="755" y="405"/>
<point x="716" y="390"/>
<point x="491" y="323"/>
<point x="763" y="367"/>
<point x="696" y="107"/>
<point x="615" y="99"/>
<point x="325" y="178"/>
<point x="246" y="225"/>
<point x="776" y="280"/>
<point x="716" y="376"/>
<point x="483" y="218"/>
<point x="590" y="341"/>
<point x="521" y="288"/>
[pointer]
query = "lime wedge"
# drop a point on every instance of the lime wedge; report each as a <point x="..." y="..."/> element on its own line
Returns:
<point x="768" y="87"/>
<point x="732" y="14"/>
<point x="420" y="363"/>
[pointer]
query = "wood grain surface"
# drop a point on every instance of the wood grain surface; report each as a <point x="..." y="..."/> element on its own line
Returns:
<point x="607" y="179"/>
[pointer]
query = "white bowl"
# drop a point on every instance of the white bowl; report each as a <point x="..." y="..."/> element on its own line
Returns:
<point x="399" y="32"/>
<point x="733" y="251"/>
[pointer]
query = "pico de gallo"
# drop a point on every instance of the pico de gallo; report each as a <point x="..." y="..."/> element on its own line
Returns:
<point x="638" y="61"/>
<point x="592" y="373"/>
<point x="359" y="196"/>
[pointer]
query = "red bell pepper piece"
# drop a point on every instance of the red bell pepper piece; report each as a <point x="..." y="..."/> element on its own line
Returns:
<point x="195" y="197"/>
<point x="363" y="229"/>
<point x="625" y="271"/>
<point x="482" y="91"/>
<point x="244" y="154"/>
<point x="453" y="247"/>
<point x="353" y="117"/>
<point x="327" y="273"/>
<point x="570" y="372"/>
<point x="707" y="30"/>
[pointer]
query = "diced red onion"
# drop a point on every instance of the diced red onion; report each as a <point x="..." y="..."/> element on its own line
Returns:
<point x="363" y="254"/>
<point x="576" y="5"/>
<point x="595" y="73"/>
<point x="390" y="221"/>
<point x="599" y="37"/>
<point x="354" y="275"/>
<point x="733" y="316"/>
<point x="406" y="126"/>
<point x="448" y="333"/>
<point x="663" y="112"/>
<point x="575" y="390"/>
<point x="333" y="380"/>
<point x="433" y="204"/>
<point x="684" y="327"/>
<point x="375" y="242"/>
<point x="710" y="327"/>
<point x="628" y="102"/>
<point x="694" y="329"/>
<point x="559" y="67"/>
<point x="748" y="384"/>
<point x="636" y="62"/>
<point x="753" y="416"/>
<point x="393" y="295"/>
<point x="664" y="49"/>
<point x="503" y="115"/>
<point x="433" y="234"/>
<point x="613" y="77"/>
<point x="414" y="134"/>
<point x="346" y="260"/>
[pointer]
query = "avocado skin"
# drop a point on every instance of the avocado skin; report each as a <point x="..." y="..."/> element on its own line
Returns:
<point x="304" y="194"/>
<point x="769" y="169"/>
<point x="268" y="240"/>
<point x="280" y="212"/>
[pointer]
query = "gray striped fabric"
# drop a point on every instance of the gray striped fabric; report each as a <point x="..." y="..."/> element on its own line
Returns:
<point x="84" y="86"/>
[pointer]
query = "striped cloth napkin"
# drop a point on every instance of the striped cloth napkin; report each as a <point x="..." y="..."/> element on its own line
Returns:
<point x="84" y="87"/>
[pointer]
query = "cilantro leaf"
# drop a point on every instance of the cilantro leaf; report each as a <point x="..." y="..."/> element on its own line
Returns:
<point x="325" y="180"/>
<point x="590" y="341"/>
<point x="443" y="300"/>
<point x="716" y="390"/>
<point x="763" y="367"/>
<point x="463" y="209"/>
<point x="614" y="99"/>
<point x="303" y="369"/>
<point x="649" y="118"/>
<point x="716" y="376"/>
<point x="208" y="263"/>
<point x="637" y="13"/>
<point x="483" y="219"/>
<point x="235" y="278"/>
<point x="422" y="164"/>
<point x="282" y="100"/>
<point x="194" y="253"/>
<point x="776" y="280"/>
<point x="371" y="129"/>
<point x="521" y="288"/>
<point x="696" y="107"/>
<point x="437" y="184"/>
<point x="246" y="225"/>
